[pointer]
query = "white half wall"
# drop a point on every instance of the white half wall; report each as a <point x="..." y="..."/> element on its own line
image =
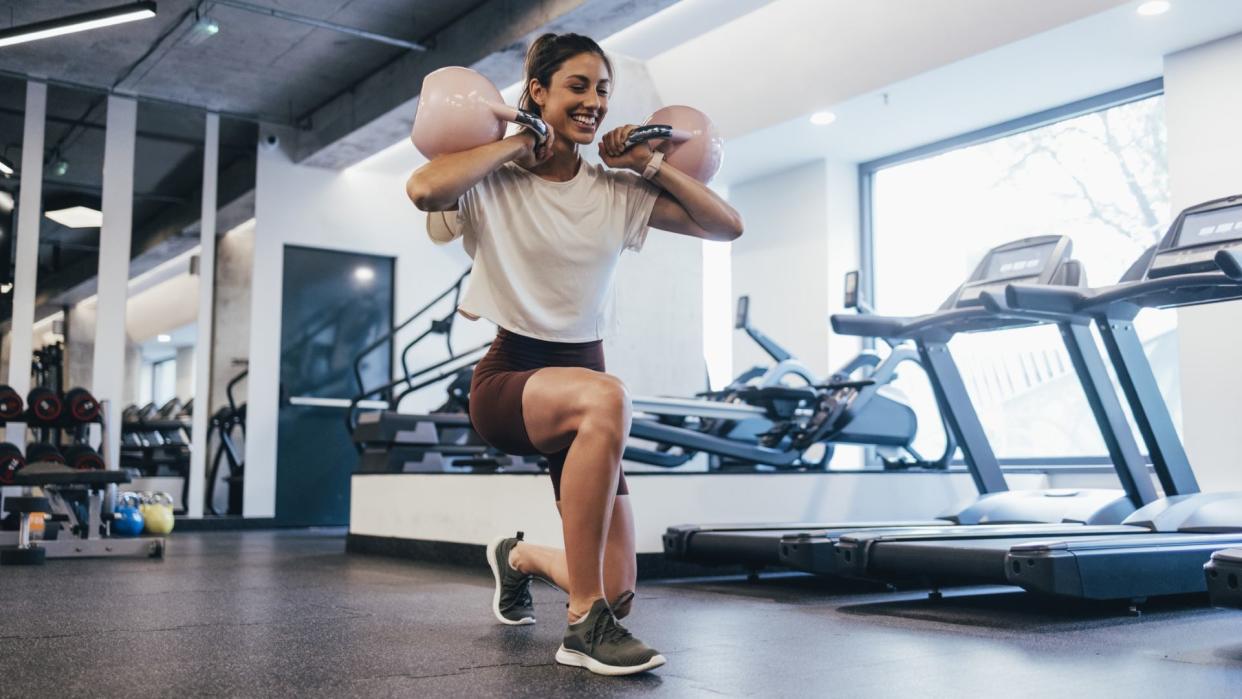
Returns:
<point x="472" y="509"/>
<point x="1203" y="107"/>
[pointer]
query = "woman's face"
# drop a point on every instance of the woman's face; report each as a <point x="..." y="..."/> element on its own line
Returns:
<point x="576" y="99"/>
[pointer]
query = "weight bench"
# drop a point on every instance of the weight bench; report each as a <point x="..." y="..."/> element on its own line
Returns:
<point x="74" y="499"/>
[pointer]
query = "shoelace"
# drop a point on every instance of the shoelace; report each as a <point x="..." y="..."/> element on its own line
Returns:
<point x="607" y="628"/>
<point x="519" y="595"/>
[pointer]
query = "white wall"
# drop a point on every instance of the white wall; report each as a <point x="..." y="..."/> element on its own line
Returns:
<point x="185" y="373"/>
<point x="801" y="238"/>
<point x="350" y="211"/>
<point x="1203" y="107"/>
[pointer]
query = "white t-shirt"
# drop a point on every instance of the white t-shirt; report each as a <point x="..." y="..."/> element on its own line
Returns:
<point x="545" y="253"/>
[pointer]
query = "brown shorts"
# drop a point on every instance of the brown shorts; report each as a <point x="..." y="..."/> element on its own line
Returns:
<point x="500" y="378"/>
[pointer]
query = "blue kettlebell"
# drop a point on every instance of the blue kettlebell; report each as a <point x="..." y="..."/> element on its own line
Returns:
<point x="127" y="519"/>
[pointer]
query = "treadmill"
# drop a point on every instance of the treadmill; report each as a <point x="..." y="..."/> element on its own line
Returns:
<point x="1043" y="260"/>
<point x="1160" y="549"/>
<point x="1224" y="578"/>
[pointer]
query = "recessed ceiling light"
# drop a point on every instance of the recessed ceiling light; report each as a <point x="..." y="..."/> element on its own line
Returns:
<point x="77" y="23"/>
<point x="203" y="29"/>
<point x="77" y="217"/>
<point x="823" y="118"/>
<point x="364" y="274"/>
<point x="6" y="168"/>
<point x="1151" y="8"/>
<point x="6" y="203"/>
<point x="164" y="338"/>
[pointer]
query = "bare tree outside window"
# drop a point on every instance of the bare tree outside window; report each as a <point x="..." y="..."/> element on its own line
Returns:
<point x="1100" y="178"/>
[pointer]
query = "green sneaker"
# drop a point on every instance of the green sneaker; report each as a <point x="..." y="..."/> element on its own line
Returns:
<point x="602" y="645"/>
<point x="512" y="603"/>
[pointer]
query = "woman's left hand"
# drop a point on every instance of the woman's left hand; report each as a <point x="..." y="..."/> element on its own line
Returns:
<point x="612" y="150"/>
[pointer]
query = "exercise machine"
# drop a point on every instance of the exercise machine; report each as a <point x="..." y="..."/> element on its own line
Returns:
<point x="1045" y="260"/>
<point x="1160" y="549"/>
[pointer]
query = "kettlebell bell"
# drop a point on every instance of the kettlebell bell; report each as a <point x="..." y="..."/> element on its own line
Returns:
<point x="127" y="519"/>
<point x="158" y="513"/>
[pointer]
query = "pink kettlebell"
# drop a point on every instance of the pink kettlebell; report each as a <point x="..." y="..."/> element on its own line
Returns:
<point x="459" y="109"/>
<point x="692" y="144"/>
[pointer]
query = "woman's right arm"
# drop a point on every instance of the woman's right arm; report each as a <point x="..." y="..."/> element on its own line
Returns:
<point x="438" y="185"/>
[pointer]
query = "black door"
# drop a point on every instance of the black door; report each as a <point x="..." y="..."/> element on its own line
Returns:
<point x="334" y="304"/>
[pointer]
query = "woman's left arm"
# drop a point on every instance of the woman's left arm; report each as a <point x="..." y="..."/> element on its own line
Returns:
<point x="685" y="205"/>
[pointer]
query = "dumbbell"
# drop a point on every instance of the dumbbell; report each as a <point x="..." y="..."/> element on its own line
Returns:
<point x="43" y="452"/>
<point x="82" y="405"/>
<point x="44" y="404"/>
<point x="83" y="457"/>
<point x="10" y="403"/>
<point x="26" y="552"/>
<point x="11" y="461"/>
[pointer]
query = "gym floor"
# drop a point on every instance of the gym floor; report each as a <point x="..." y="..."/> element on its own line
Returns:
<point x="288" y="613"/>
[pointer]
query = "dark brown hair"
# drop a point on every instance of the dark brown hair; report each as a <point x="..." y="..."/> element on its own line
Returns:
<point x="548" y="54"/>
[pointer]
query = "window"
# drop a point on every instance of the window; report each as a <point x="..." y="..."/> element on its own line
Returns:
<point x="163" y="381"/>
<point x="1098" y="175"/>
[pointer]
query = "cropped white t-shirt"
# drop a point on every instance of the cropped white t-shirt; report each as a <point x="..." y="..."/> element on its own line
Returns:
<point x="545" y="253"/>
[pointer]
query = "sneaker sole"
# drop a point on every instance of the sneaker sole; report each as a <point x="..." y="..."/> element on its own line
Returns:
<point x="574" y="658"/>
<point x="491" y="563"/>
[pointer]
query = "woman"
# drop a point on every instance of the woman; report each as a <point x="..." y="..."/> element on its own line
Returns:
<point x="546" y="230"/>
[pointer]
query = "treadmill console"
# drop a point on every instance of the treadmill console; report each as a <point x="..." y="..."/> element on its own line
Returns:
<point x="1199" y="232"/>
<point x="1027" y="261"/>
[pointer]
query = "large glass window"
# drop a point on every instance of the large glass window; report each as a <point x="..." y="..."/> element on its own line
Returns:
<point x="1100" y="178"/>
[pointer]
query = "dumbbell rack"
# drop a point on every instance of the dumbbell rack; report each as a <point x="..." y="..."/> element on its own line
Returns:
<point x="84" y="537"/>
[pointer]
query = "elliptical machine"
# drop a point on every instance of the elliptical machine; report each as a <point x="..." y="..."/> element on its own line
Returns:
<point x="784" y="418"/>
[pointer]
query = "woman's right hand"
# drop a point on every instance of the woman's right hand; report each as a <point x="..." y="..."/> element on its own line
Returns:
<point x="534" y="154"/>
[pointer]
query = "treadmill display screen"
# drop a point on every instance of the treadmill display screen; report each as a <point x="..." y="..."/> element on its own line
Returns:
<point x="1023" y="262"/>
<point x="1211" y="227"/>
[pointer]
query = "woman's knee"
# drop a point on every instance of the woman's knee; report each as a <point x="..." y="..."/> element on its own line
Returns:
<point x="606" y="406"/>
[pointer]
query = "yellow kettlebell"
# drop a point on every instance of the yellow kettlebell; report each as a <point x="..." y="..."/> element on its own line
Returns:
<point x="157" y="509"/>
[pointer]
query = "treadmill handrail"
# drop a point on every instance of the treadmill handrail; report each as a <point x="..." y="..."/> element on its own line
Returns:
<point x="915" y="327"/>
<point x="1230" y="262"/>
<point x="1095" y="301"/>
<point x="867" y="325"/>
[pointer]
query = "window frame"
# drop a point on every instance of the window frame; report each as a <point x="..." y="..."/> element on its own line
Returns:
<point x="866" y="203"/>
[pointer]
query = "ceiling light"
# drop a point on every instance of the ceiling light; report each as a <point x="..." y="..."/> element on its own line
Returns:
<point x="823" y="118"/>
<point x="6" y="287"/>
<point x="77" y="23"/>
<point x="164" y="338"/>
<point x="364" y="274"/>
<point x="60" y="168"/>
<point x="77" y="217"/>
<point x="6" y="167"/>
<point x="1154" y="7"/>
<point x="6" y="203"/>
<point x="203" y="29"/>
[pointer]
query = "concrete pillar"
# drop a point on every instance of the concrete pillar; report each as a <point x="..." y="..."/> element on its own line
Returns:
<point x="114" y="246"/>
<point x="26" y="261"/>
<point x="206" y="278"/>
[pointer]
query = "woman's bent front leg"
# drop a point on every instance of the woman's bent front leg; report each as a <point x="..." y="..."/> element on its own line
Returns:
<point x="589" y="412"/>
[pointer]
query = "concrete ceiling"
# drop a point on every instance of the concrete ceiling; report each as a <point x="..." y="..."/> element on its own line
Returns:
<point x="340" y="96"/>
<point x="267" y="68"/>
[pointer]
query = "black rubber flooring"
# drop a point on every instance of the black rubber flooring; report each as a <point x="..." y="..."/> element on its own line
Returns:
<point x="287" y="613"/>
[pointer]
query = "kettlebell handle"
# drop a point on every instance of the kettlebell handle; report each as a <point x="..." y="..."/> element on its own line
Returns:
<point x="522" y="117"/>
<point x="652" y="132"/>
